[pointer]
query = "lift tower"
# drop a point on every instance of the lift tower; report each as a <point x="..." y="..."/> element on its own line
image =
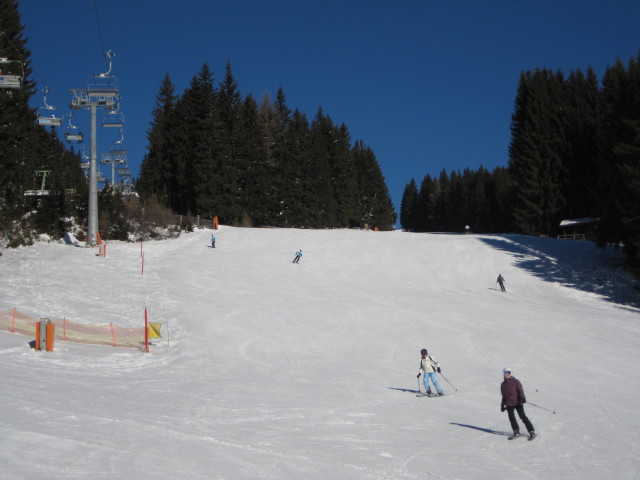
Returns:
<point x="101" y="92"/>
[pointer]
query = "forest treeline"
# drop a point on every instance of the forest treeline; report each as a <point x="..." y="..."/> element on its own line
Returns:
<point x="574" y="154"/>
<point x="213" y="152"/>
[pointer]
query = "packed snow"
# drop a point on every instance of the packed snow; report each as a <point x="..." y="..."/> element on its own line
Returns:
<point x="274" y="370"/>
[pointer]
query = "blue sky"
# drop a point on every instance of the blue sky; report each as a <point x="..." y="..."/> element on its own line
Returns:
<point x="427" y="85"/>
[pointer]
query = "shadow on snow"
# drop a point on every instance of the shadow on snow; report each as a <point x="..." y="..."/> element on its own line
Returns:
<point x="551" y="261"/>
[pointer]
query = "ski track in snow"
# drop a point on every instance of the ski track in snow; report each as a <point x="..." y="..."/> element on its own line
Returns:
<point x="272" y="370"/>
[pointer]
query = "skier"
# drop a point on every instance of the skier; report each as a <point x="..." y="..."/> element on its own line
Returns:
<point x="213" y="241"/>
<point x="298" y="256"/>
<point x="500" y="281"/>
<point x="513" y="399"/>
<point x="429" y="366"/>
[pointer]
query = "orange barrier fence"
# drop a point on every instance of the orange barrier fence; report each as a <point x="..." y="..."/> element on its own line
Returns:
<point x="68" y="331"/>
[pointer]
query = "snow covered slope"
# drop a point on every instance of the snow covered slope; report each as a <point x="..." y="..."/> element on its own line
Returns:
<point x="279" y="371"/>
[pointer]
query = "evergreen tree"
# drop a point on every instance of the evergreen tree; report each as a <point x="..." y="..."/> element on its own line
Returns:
<point x="200" y="186"/>
<point x="295" y="171"/>
<point x="375" y="207"/>
<point x="253" y="167"/>
<point x="579" y="116"/>
<point x="321" y="205"/>
<point x="156" y="170"/>
<point x="620" y="159"/>
<point x="535" y="153"/>
<point x="230" y="175"/>
<point x="17" y="120"/>
<point x="408" y="206"/>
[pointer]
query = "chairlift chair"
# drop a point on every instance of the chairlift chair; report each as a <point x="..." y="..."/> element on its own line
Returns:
<point x="73" y="134"/>
<point x="10" y="81"/>
<point x="113" y="119"/>
<point x="45" y="120"/>
<point x="118" y="148"/>
<point x="39" y="192"/>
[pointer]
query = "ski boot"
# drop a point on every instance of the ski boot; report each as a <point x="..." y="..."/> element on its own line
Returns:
<point x="514" y="436"/>
<point x="532" y="435"/>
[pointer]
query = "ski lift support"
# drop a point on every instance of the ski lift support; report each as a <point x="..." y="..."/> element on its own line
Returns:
<point x="101" y="92"/>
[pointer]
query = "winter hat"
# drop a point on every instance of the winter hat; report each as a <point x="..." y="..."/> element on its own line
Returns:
<point x="424" y="351"/>
<point x="506" y="370"/>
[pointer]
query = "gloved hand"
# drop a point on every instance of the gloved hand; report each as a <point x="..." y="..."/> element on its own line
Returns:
<point x="419" y="375"/>
<point x="524" y="400"/>
<point x="502" y="408"/>
<point x="438" y="369"/>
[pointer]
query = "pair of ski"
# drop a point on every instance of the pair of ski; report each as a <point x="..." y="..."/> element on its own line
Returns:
<point x="421" y="394"/>
<point x="513" y="437"/>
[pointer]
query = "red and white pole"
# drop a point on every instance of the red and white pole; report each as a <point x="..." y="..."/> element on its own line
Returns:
<point x="146" y="330"/>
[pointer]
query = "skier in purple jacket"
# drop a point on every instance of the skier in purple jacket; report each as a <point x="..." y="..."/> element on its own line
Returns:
<point x="513" y="399"/>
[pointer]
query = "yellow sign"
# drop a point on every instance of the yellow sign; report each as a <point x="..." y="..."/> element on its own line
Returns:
<point x="154" y="330"/>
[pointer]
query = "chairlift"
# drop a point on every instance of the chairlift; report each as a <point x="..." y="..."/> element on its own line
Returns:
<point x="112" y="158"/>
<point x="10" y="81"/>
<point x="39" y="192"/>
<point x="123" y="172"/>
<point x="105" y="82"/>
<point x="45" y="120"/>
<point x="73" y="134"/>
<point x="113" y="119"/>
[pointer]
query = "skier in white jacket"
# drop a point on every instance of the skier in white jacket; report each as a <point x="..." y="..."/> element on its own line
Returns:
<point x="429" y="366"/>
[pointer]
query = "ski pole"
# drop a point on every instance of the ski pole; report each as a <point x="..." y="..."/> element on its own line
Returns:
<point x="448" y="381"/>
<point x="542" y="408"/>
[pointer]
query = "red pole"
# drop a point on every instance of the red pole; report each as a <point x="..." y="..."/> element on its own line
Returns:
<point x="113" y="337"/>
<point x="13" y="321"/>
<point x="146" y="330"/>
<point x="64" y="328"/>
<point x="142" y="272"/>
<point x="140" y="247"/>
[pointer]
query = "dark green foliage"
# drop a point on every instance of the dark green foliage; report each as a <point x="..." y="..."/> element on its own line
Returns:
<point x="114" y="221"/>
<point x="536" y="152"/>
<point x="574" y="153"/>
<point x="620" y="159"/>
<point x="213" y="153"/>
<point x="26" y="148"/>
<point x="408" y="205"/>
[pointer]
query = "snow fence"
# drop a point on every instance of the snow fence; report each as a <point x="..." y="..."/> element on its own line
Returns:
<point x="68" y="331"/>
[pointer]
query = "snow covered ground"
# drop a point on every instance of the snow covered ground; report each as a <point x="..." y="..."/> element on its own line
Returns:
<point x="279" y="371"/>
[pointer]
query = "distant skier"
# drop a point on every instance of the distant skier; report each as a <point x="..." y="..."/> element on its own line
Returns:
<point x="213" y="241"/>
<point x="429" y="366"/>
<point x="500" y="281"/>
<point x="298" y="256"/>
<point x="513" y="399"/>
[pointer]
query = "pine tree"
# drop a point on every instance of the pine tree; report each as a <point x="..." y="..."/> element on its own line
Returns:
<point x="294" y="171"/>
<point x="230" y="176"/>
<point x="17" y="120"/>
<point x="375" y="207"/>
<point x="156" y="170"/>
<point x="579" y="116"/>
<point x="620" y="159"/>
<point x="535" y="153"/>
<point x="408" y="206"/>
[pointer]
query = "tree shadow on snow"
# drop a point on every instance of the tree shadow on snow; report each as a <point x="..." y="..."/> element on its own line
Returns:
<point x="408" y="390"/>
<point x="486" y="430"/>
<point x="576" y="264"/>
